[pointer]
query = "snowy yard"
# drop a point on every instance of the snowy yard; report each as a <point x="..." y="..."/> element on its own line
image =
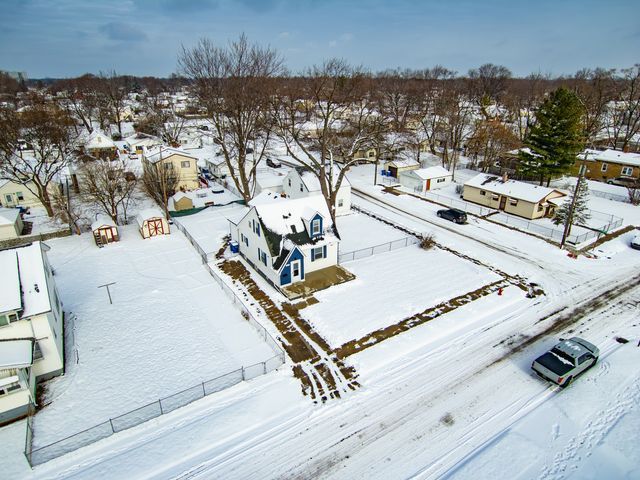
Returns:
<point x="415" y="280"/>
<point x="209" y="226"/>
<point x="169" y="327"/>
<point x="359" y="231"/>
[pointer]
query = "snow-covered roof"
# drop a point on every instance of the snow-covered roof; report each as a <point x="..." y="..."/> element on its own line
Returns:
<point x="431" y="172"/>
<point x="312" y="183"/>
<point x="163" y="153"/>
<point x="511" y="188"/>
<point x="143" y="139"/>
<point x="10" y="297"/>
<point x="102" y="221"/>
<point x="205" y="196"/>
<point x="147" y="214"/>
<point x="24" y="280"/>
<point x="9" y="216"/>
<point x="279" y="214"/>
<point x="611" y="156"/>
<point x="16" y="353"/>
<point x="99" y="140"/>
<point x="404" y="163"/>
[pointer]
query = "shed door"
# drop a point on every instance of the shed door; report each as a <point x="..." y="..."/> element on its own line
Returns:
<point x="428" y="184"/>
<point x="393" y="171"/>
<point x="503" y="202"/>
<point x="295" y="271"/>
<point x="155" y="227"/>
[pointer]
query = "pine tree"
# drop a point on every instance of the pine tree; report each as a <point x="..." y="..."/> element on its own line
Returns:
<point x="556" y="137"/>
<point x="580" y="208"/>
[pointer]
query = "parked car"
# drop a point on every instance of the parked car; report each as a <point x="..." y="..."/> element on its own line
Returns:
<point x="624" y="181"/>
<point x="566" y="360"/>
<point x="635" y="242"/>
<point x="454" y="215"/>
<point x="273" y="163"/>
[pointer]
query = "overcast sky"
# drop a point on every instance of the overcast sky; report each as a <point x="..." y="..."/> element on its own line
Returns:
<point x="63" y="38"/>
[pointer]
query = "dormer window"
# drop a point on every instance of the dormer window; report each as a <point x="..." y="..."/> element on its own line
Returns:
<point x="315" y="227"/>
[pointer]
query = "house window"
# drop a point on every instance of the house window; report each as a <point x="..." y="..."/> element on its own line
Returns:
<point x="627" y="171"/>
<point x="4" y="320"/>
<point x="168" y="166"/>
<point x="540" y="207"/>
<point x="441" y="180"/>
<point x="256" y="227"/>
<point x="495" y="197"/>
<point x="513" y="201"/>
<point x="289" y="182"/>
<point x="244" y="239"/>
<point x="483" y="193"/>
<point x="5" y="389"/>
<point x="20" y="196"/>
<point x="185" y="164"/>
<point x="604" y="167"/>
<point x="262" y="256"/>
<point x="9" y="198"/>
<point x="340" y="202"/>
<point x="315" y="227"/>
<point x="372" y="154"/>
<point x="301" y="189"/>
<point x="317" y="253"/>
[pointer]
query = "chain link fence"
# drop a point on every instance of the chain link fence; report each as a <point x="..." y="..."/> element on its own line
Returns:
<point x="369" y="251"/>
<point x="206" y="257"/>
<point x="472" y="208"/>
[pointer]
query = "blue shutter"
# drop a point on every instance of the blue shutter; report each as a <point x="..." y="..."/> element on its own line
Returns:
<point x="313" y="254"/>
<point x="324" y="251"/>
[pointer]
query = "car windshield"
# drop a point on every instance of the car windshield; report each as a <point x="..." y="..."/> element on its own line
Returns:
<point x="563" y="355"/>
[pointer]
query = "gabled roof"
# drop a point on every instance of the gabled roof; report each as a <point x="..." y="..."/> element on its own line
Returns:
<point x="102" y="221"/>
<point x="611" y="156"/>
<point x="404" y="163"/>
<point x="427" y="173"/>
<point x="99" y="140"/>
<point x="511" y="188"/>
<point x="163" y="153"/>
<point x="147" y="214"/>
<point x="312" y="182"/>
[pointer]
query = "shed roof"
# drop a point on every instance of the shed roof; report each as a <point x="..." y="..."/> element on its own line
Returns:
<point x="102" y="221"/>
<point x="428" y="173"/>
<point x="511" y="188"/>
<point x="147" y="214"/>
<point x="163" y="153"/>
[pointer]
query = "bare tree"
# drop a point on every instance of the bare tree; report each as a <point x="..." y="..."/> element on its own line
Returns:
<point x="162" y="118"/>
<point x="80" y="96"/>
<point x="325" y="116"/>
<point x="624" y="112"/>
<point x="595" y="89"/>
<point x="521" y="99"/>
<point x="49" y="131"/>
<point x="487" y="83"/>
<point x="65" y="210"/>
<point x="160" y="183"/>
<point x="113" y="93"/>
<point x="109" y="185"/>
<point x="490" y="140"/>
<point x="235" y="83"/>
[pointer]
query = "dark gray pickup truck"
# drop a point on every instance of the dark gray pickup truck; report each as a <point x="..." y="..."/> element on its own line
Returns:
<point x="566" y="360"/>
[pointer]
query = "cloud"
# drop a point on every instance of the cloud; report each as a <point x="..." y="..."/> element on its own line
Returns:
<point x="284" y="35"/>
<point x="333" y="43"/>
<point x="346" y="37"/>
<point x="122" y="32"/>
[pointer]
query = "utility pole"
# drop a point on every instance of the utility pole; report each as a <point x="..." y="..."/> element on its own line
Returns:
<point x="569" y="220"/>
<point x="106" y="285"/>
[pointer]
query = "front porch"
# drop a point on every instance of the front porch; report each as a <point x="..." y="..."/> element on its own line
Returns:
<point x="318" y="280"/>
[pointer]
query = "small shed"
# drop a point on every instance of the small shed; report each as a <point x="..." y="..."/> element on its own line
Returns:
<point x="104" y="230"/>
<point x="424" y="179"/>
<point x="151" y="222"/>
<point x="395" y="167"/>
<point x="10" y="223"/>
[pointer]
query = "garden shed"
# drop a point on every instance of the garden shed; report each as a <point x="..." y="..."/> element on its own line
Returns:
<point x="104" y="230"/>
<point x="152" y="222"/>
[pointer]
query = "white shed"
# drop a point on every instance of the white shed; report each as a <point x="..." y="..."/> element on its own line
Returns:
<point x="151" y="222"/>
<point x="10" y="223"/>
<point x="424" y="179"/>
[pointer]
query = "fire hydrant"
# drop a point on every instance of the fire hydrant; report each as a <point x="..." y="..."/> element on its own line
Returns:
<point x="500" y="291"/>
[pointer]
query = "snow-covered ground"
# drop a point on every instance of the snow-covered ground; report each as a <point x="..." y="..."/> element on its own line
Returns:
<point x="169" y="327"/>
<point x="41" y="222"/>
<point x="414" y="280"/>
<point x="359" y="231"/>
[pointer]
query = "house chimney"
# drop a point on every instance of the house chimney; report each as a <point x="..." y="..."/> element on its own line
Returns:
<point x="505" y="177"/>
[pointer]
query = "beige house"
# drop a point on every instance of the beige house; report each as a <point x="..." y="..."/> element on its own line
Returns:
<point x="98" y="145"/>
<point x="183" y="165"/>
<point x="151" y="222"/>
<point x="14" y="194"/>
<point x="10" y="223"/>
<point x="517" y="198"/>
<point x="609" y="164"/>
<point x="31" y="331"/>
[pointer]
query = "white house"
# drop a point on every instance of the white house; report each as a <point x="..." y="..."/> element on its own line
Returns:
<point x="10" y="223"/>
<point x="140" y="143"/>
<point x="300" y="182"/>
<point x="31" y="312"/>
<point x="424" y="179"/>
<point x="286" y="239"/>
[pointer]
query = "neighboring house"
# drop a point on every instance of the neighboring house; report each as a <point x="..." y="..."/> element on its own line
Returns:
<point x="203" y="197"/>
<point x="140" y="143"/>
<point x="396" y="167"/>
<point x="424" y="179"/>
<point x="10" y="223"/>
<point x="268" y="179"/>
<point x="365" y="155"/>
<point x="518" y="198"/>
<point x="183" y="165"/>
<point x="31" y="331"/>
<point x="286" y="239"/>
<point x="18" y="195"/>
<point x="98" y="145"/>
<point x="217" y="166"/>
<point x="151" y="222"/>
<point x="609" y="164"/>
<point x="104" y="230"/>
<point x="300" y="182"/>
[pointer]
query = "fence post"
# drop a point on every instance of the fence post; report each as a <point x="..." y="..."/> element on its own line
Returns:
<point x="264" y="368"/>
<point x="243" y="373"/>
<point x="204" y="392"/>
<point x="111" y="423"/>
<point x="160" y="404"/>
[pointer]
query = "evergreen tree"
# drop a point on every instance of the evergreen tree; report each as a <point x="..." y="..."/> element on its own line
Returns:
<point x="556" y="137"/>
<point x="580" y="207"/>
